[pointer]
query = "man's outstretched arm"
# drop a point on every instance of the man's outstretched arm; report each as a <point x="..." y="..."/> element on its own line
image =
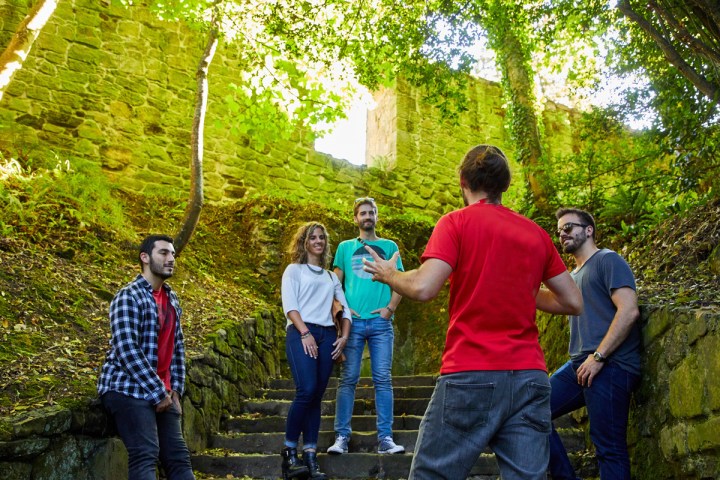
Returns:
<point x="421" y="284"/>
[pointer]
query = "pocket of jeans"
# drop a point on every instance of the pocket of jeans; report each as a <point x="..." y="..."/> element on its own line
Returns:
<point x="467" y="406"/>
<point x="536" y="411"/>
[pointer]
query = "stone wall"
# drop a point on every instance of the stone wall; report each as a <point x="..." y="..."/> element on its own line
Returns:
<point x="676" y="412"/>
<point x="674" y="429"/>
<point x="117" y="86"/>
<point x="58" y="443"/>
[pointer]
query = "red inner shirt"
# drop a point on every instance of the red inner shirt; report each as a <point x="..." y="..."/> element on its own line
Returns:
<point x="166" y="335"/>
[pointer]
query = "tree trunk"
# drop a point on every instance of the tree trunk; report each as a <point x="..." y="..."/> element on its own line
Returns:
<point x="514" y="60"/>
<point x="195" y="203"/>
<point x="17" y="51"/>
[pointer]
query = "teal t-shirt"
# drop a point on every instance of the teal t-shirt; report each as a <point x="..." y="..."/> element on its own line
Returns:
<point x="364" y="295"/>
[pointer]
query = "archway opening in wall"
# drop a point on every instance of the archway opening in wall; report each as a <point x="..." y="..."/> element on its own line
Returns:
<point x="347" y="140"/>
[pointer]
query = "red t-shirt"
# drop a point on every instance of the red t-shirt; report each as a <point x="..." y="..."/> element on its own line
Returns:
<point x="166" y="335"/>
<point x="499" y="258"/>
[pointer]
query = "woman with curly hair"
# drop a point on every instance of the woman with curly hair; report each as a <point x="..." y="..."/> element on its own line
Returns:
<point x="311" y="345"/>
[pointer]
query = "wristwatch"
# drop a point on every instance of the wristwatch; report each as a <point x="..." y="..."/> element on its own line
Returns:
<point x="599" y="357"/>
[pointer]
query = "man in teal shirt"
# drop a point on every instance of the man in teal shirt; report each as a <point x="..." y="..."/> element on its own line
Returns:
<point x="372" y="305"/>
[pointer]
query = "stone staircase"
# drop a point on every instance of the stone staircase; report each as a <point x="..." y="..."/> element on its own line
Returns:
<point x="250" y="444"/>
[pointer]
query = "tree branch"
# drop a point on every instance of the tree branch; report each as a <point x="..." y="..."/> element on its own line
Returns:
<point x="195" y="204"/>
<point x="682" y="34"/>
<point x="14" y="56"/>
<point x="699" y="81"/>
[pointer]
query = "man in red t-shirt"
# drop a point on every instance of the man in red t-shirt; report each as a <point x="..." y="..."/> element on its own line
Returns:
<point x="493" y="389"/>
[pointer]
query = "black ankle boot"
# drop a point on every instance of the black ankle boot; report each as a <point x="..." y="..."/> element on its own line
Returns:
<point x="310" y="459"/>
<point x="292" y="466"/>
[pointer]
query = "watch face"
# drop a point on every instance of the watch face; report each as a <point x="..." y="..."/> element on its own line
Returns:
<point x="598" y="356"/>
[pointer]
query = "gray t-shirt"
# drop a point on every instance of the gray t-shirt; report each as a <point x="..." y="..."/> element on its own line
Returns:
<point x="604" y="272"/>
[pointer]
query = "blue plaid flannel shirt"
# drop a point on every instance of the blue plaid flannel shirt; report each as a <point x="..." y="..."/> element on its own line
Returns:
<point x="130" y="367"/>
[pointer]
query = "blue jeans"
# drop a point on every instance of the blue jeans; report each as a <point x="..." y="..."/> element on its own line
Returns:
<point x="509" y="411"/>
<point x="311" y="377"/>
<point x="380" y="336"/>
<point x="608" y="404"/>
<point x="148" y="437"/>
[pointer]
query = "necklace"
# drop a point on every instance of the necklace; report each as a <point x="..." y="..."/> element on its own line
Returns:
<point x="316" y="272"/>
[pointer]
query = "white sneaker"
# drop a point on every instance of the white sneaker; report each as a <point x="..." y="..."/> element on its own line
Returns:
<point x="386" y="445"/>
<point x="340" y="446"/>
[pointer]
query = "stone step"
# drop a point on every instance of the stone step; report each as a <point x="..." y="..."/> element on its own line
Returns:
<point x="249" y="446"/>
<point x="360" y="441"/>
<point x="363" y="406"/>
<point x="348" y="466"/>
<point x="360" y="423"/>
<point x="363" y="392"/>
<point x="398" y="381"/>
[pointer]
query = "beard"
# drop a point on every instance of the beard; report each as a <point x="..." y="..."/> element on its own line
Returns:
<point x="577" y="242"/>
<point x="367" y="225"/>
<point x="465" y="200"/>
<point x="158" y="269"/>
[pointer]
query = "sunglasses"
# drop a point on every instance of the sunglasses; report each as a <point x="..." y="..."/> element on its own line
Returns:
<point x="364" y="199"/>
<point x="567" y="228"/>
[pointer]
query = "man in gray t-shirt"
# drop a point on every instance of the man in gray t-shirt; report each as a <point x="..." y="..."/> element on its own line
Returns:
<point x="604" y="366"/>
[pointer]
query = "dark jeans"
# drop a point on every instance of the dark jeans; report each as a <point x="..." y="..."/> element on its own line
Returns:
<point x="148" y="437"/>
<point x="311" y="377"/>
<point x="608" y="404"/>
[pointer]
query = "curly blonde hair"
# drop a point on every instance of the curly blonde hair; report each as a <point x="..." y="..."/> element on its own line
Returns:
<point x="298" y="245"/>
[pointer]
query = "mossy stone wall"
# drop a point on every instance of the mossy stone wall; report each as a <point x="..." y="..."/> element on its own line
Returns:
<point x="116" y="86"/>
<point x="674" y="429"/>
<point x="79" y="443"/>
<point x="676" y="415"/>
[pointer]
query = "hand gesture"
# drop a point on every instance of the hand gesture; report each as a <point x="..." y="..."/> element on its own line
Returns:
<point x="381" y="270"/>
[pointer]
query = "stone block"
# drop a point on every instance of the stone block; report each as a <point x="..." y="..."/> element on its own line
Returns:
<point x="43" y="421"/>
<point x="709" y="361"/>
<point x="24" y="449"/>
<point x="132" y="98"/>
<point x="200" y="375"/>
<point x="63" y="119"/>
<point x="676" y="345"/>
<point x="85" y="54"/>
<point x="62" y="461"/>
<point x="697" y="328"/>
<point x="673" y="441"/>
<point x="193" y="391"/>
<point x="220" y="345"/>
<point x="109" y="460"/>
<point x="91" y="133"/>
<point x="87" y="148"/>
<point x="19" y="104"/>
<point x="89" y="36"/>
<point x="658" y="323"/>
<point x="37" y="92"/>
<point x="52" y="43"/>
<point x="15" y="470"/>
<point x="115" y="157"/>
<point x="686" y="389"/>
<point x="194" y="431"/>
<point x="92" y="420"/>
<point x="128" y="28"/>
<point x="120" y="109"/>
<point x="704" y="436"/>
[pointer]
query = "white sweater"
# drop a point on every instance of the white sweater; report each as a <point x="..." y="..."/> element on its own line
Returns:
<point x="311" y="294"/>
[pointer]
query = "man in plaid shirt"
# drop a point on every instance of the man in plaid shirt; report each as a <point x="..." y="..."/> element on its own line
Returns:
<point x="144" y="372"/>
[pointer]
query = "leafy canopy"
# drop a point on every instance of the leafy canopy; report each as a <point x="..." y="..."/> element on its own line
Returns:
<point x="301" y="63"/>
